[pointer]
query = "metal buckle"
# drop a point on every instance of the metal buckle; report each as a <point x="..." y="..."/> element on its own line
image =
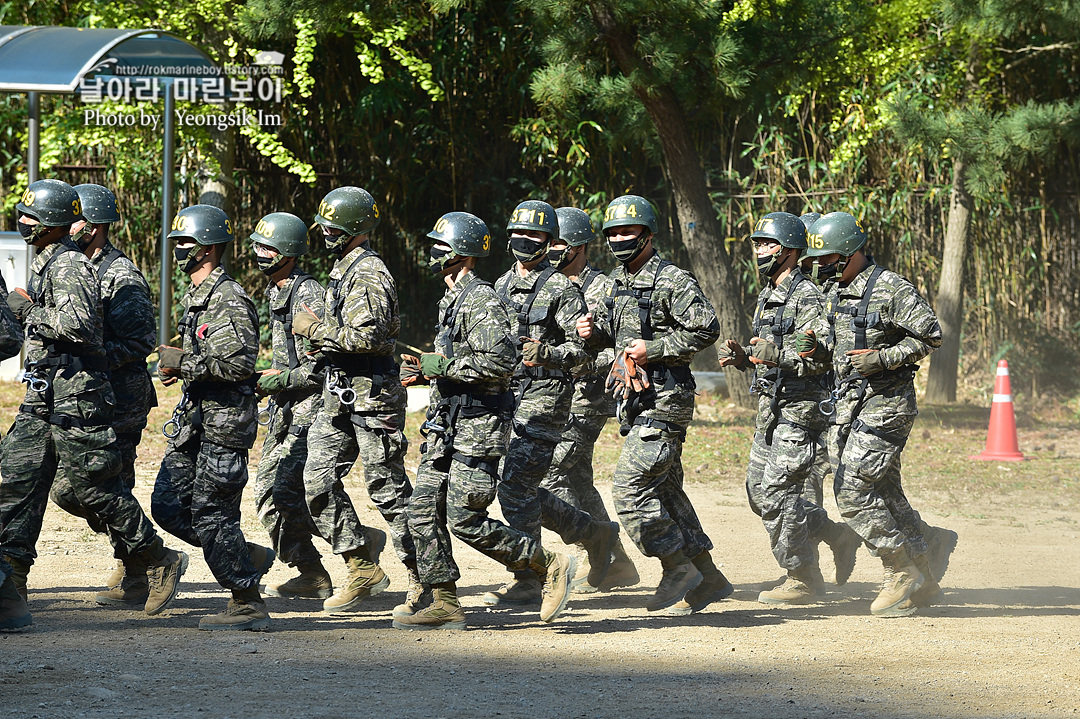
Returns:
<point x="265" y="414"/>
<point x="761" y="385"/>
<point x="345" y="394"/>
<point x="174" y="421"/>
<point x="34" y="379"/>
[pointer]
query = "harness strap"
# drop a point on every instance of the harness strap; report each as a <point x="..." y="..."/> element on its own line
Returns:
<point x="450" y="318"/>
<point x="894" y="439"/>
<point x="334" y="286"/>
<point x="653" y="423"/>
<point x="286" y="318"/>
<point x="525" y="307"/>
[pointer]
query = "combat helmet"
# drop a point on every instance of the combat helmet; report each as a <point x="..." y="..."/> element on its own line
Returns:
<point x="535" y="215"/>
<point x="52" y="203"/>
<point x="466" y="235"/>
<point x="286" y="233"/>
<point x="206" y="224"/>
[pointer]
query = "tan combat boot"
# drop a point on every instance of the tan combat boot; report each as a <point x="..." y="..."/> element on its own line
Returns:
<point x="130" y="587"/>
<point x="416" y="597"/>
<point x="19" y="574"/>
<point x="313" y="582"/>
<point x="366" y="579"/>
<point x="601" y="543"/>
<point x="164" y="579"/>
<point x="246" y="611"/>
<point x="527" y="589"/>
<point x="262" y="557"/>
<point x="798" y="588"/>
<point x="444" y="612"/>
<point x="930" y="592"/>
<point x="902" y="579"/>
<point x="679" y="577"/>
<point x="116" y="574"/>
<point x="14" y="614"/>
<point x="940" y="544"/>
<point x="622" y="572"/>
<point x="714" y="587"/>
<point x="844" y="543"/>
<point x="580" y="583"/>
<point x="558" y="571"/>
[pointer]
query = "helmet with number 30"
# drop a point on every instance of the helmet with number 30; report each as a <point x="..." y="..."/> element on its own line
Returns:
<point x="51" y="202"/>
<point x="206" y="224"/>
<point x="466" y="234"/>
<point x="837" y="232"/>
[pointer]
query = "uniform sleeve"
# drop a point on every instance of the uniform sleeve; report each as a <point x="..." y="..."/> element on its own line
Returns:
<point x="130" y="314"/>
<point x="228" y="341"/>
<point x="695" y="324"/>
<point x="911" y="313"/>
<point x="491" y="352"/>
<point x="367" y="315"/>
<point x="603" y="335"/>
<point x="571" y="352"/>
<point x="76" y="302"/>
<point x="809" y="315"/>
<point x="11" y="334"/>
<point x="312" y="295"/>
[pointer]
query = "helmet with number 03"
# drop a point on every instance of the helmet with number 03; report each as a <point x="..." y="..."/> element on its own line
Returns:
<point x="467" y="235"/>
<point x="782" y="227"/>
<point x="576" y="228"/>
<point x="51" y="202"/>
<point x="98" y="204"/>
<point x="349" y="209"/>
<point x="809" y="219"/>
<point x="629" y="210"/>
<point x="283" y="231"/>
<point x="206" y="224"/>
<point x="836" y="232"/>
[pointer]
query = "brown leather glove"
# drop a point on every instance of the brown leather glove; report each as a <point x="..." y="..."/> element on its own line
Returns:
<point x="19" y="302"/>
<point x="866" y="362"/>
<point x="764" y="352"/>
<point x="169" y="361"/>
<point x="732" y="354"/>
<point x="305" y="323"/>
<point x="410" y="370"/>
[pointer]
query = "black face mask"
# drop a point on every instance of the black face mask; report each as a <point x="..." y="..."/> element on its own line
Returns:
<point x="560" y="258"/>
<point x="270" y="265"/>
<point x="820" y="273"/>
<point x="83" y="237"/>
<point x="336" y="243"/>
<point x="526" y="249"/>
<point x="769" y="265"/>
<point x="627" y="250"/>
<point x="31" y="233"/>
<point x="440" y="260"/>
<point x="185" y="258"/>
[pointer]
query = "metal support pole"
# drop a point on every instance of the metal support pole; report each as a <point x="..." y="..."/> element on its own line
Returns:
<point x="168" y="162"/>
<point x="33" y="153"/>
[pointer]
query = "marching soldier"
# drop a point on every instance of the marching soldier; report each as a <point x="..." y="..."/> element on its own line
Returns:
<point x="65" y="420"/>
<point x="544" y="307"/>
<point x="815" y="483"/>
<point x="363" y="402"/>
<point x="790" y="368"/>
<point x="14" y="613"/>
<point x="197" y="493"/>
<point x="882" y="327"/>
<point x="468" y="431"/>
<point x="570" y="477"/>
<point x="295" y="390"/>
<point x="657" y="318"/>
<point x="130" y="336"/>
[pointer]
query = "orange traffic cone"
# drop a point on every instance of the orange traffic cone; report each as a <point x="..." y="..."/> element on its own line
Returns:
<point x="1001" y="444"/>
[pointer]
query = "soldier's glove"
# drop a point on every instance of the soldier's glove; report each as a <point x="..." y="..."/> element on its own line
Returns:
<point x="19" y="302"/>
<point x="433" y="364"/>
<point x="410" y="370"/>
<point x="625" y="377"/>
<point x="732" y="354"/>
<point x="764" y="352"/>
<point x="806" y="344"/>
<point x="273" y="381"/>
<point x="305" y="323"/>
<point x="535" y="353"/>
<point x="866" y="362"/>
<point x="169" y="361"/>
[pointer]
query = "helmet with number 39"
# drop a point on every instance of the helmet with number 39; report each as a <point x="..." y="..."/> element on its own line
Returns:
<point x="51" y="202"/>
<point x="836" y="232"/>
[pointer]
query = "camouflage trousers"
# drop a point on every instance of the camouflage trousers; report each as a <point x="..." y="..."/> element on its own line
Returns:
<point x="867" y="483"/>
<point x="526" y="505"/>
<point x="280" y="499"/>
<point x="570" y="477"/>
<point x="30" y="457"/>
<point x="774" y="487"/>
<point x="335" y="442"/>
<point x="197" y="499"/>
<point x="814" y="488"/>
<point x="649" y="497"/>
<point x="63" y="495"/>
<point x="453" y="493"/>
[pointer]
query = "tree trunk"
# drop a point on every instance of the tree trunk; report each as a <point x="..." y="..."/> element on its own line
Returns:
<point x="700" y="228"/>
<point x="945" y="362"/>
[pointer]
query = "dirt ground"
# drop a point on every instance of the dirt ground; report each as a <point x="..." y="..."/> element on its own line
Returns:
<point x="1005" y="644"/>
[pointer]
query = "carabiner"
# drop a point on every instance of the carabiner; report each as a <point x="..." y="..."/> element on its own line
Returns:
<point x="265" y="414"/>
<point x="345" y="394"/>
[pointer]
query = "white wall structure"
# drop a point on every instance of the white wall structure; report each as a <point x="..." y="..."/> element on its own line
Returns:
<point x="15" y="259"/>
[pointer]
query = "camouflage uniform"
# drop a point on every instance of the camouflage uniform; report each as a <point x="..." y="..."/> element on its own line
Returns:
<point x="357" y="336"/>
<point x="458" y="474"/>
<point x="789" y="422"/>
<point x="197" y="493"/>
<point x="647" y="486"/>
<point x="130" y="335"/>
<point x="68" y="424"/>
<point x="874" y="415"/>
<point x="570" y="477"/>
<point x="544" y="395"/>
<point x="11" y="337"/>
<point x="280" y="498"/>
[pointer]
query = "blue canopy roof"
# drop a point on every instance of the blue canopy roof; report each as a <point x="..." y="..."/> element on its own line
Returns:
<point x="55" y="59"/>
